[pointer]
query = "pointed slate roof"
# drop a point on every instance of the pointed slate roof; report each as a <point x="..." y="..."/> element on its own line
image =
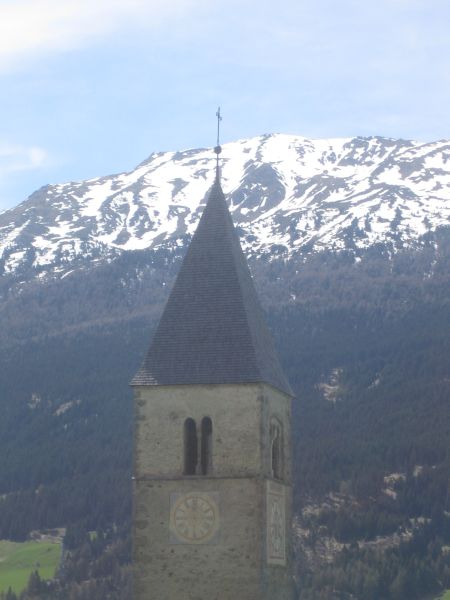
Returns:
<point x="212" y="329"/>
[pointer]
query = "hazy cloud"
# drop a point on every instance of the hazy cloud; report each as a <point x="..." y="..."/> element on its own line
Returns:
<point x="30" y="27"/>
<point x="15" y="158"/>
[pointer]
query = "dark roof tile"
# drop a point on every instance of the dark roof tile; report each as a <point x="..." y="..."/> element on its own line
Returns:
<point x="213" y="329"/>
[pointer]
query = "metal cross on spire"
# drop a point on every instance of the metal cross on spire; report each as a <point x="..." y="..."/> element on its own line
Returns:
<point x="218" y="148"/>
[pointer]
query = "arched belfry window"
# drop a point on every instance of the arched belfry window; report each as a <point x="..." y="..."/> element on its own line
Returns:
<point x="206" y="449"/>
<point x="190" y="447"/>
<point x="276" y="449"/>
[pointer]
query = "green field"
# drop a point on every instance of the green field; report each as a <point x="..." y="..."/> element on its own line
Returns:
<point x="17" y="561"/>
<point x="445" y="596"/>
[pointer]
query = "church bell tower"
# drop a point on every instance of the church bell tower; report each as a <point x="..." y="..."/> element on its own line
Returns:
<point x="212" y="463"/>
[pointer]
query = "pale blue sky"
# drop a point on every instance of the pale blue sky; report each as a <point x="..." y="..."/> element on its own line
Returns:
<point x="92" y="90"/>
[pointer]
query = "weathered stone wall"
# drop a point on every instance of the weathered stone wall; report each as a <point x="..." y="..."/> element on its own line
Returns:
<point x="222" y="553"/>
<point x="276" y="405"/>
<point x="277" y="580"/>
<point x="160" y="413"/>
<point x="228" y="568"/>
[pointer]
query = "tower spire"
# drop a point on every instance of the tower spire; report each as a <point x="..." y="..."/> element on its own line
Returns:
<point x="218" y="148"/>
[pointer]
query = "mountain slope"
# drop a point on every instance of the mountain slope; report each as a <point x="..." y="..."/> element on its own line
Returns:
<point x="360" y="312"/>
<point x="288" y="194"/>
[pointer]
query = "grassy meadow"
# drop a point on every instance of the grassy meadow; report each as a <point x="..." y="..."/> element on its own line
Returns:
<point x="18" y="560"/>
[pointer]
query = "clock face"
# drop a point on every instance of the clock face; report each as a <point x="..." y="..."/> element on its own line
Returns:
<point x="193" y="518"/>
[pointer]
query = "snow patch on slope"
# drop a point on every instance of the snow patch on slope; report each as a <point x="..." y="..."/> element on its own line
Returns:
<point x="287" y="194"/>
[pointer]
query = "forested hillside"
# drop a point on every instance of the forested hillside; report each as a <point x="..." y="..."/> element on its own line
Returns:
<point x="365" y="343"/>
<point x="349" y="244"/>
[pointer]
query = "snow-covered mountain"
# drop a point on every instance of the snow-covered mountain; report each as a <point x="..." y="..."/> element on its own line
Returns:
<point x="287" y="194"/>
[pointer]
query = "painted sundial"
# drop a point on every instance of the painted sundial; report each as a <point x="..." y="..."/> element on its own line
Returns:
<point x="194" y="518"/>
<point x="276" y="526"/>
<point x="276" y="523"/>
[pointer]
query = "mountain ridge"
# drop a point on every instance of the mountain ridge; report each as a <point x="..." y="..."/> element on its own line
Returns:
<point x="288" y="195"/>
